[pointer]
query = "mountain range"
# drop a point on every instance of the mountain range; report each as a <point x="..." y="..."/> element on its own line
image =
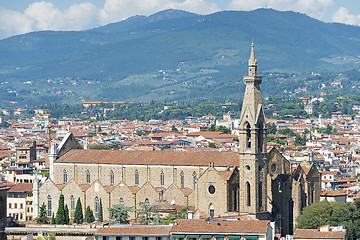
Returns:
<point x="171" y="55"/>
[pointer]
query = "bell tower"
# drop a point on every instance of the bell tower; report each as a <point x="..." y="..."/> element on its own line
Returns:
<point x="252" y="141"/>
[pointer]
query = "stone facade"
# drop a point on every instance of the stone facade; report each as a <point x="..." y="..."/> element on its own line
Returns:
<point x="253" y="181"/>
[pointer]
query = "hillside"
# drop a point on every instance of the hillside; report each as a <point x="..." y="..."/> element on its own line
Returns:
<point x="171" y="55"/>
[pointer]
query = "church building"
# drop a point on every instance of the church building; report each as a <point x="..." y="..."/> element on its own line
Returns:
<point x="254" y="181"/>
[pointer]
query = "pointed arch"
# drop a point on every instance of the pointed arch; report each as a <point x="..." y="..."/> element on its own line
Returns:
<point x="87" y="176"/>
<point x="194" y="179"/>
<point x="49" y="206"/>
<point x="162" y="178"/>
<point x="72" y="206"/>
<point x="182" y="179"/>
<point x="97" y="207"/>
<point x="248" y="134"/>
<point x="121" y="202"/>
<point x="260" y="136"/>
<point x="112" y="178"/>
<point x="248" y="194"/>
<point x="136" y="177"/>
<point x="260" y="194"/>
<point x="65" y="176"/>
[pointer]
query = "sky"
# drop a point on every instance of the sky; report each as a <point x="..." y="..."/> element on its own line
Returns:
<point x="23" y="16"/>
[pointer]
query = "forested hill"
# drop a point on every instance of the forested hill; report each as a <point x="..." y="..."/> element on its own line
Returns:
<point x="172" y="55"/>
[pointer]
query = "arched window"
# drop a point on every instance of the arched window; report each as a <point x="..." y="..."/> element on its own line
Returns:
<point x="248" y="135"/>
<point x="96" y="207"/>
<point x="248" y="199"/>
<point x="87" y="176"/>
<point x="194" y="179"/>
<point x="49" y="206"/>
<point x="112" y="178"/>
<point x="182" y="179"/>
<point x="136" y="177"/>
<point x="147" y="203"/>
<point x="121" y="202"/>
<point x="162" y="178"/>
<point x="72" y="207"/>
<point x="260" y="137"/>
<point x="260" y="194"/>
<point x="65" y="176"/>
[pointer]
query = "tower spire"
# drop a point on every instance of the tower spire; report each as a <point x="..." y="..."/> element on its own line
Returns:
<point x="252" y="62"/>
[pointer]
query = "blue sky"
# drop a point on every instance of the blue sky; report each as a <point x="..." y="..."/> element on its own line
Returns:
<point x="22" y="16"/>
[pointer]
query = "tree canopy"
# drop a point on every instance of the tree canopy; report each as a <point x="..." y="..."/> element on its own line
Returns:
<point x="334" y="214"/>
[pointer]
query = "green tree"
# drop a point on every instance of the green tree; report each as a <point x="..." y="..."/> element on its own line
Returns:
<point x="78" y="215"/>
<point x="148" y="214"/>
<point x="67" y="220"/>
<point x="174" y="129"/>
<point x="299" y="140"/>
<point x="271" y="128"/>
<point x="50" y="236"/>
<point x="89" y="215"/>
<point x="42" y="219"/>
<point x="100" y="215"/>
<point x="182" y="214"/>
<point x="60" y="214"/>
<point x="223" y="129"/>
<point x="212" y="128"/>
<point x="120" y="214"/>
<point x="287" y="132"/>
<point x="328" y="129"/>
<point x="212" y="145"/>
<point x="53" y="220"/>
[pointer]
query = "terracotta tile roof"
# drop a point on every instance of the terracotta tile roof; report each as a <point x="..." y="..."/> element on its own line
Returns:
<point x="186" y="191"/>
<point x="136" y="230"/>
<point x="203" y="226"/>
<point x="134" y="189"/>
<point x="83" y="187"/>
<point x="332" y="194"/>
<point x="109" y="188"/>
<point x="22" y="187"/>
<point x="150" y="157"/>
<point x="315" y="234"/>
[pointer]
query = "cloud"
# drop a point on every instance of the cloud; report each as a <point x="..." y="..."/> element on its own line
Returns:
<point x="116" y="10"/>
<point x="342" y="15"/>
<point x="12" y="23"/>
<point x="314" y="8"/>
<point x="43" y="15"/>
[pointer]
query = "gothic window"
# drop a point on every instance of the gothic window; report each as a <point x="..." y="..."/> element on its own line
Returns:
<point x="248" y="196"/>
<point x="136" y="177"/>
<point x="87" y="176"/>
<point x="147" y="203"/>
<point x="162" y="178"/>
<point x="260" y="137"/>
<point x="182" y="179"/>
<point x="260" y="194"/>
<point x="248" y="135"/>
<point x="194" y="179"/>
<point x="96" y="207"/>
<point x="112" y="178"/>
<point x="49" y="206"/>
<point x="121" y="202"/>
<point x="72" y="207"/>
<point x="65" y="176"/>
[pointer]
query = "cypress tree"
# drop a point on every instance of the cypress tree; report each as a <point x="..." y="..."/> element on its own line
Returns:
<point x="89" y="215"/>
<point x="53" y="219"/>
<point x="100" y="216"/>
<point x="42" y="219"/>
<point x="60" y="214"/>
<point x="67" y="214"/>
<point x="78" y="215"/>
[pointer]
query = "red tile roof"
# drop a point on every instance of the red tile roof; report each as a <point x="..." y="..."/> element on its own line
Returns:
<point x="150" y="157"/>
<point x="316" y="234"/>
